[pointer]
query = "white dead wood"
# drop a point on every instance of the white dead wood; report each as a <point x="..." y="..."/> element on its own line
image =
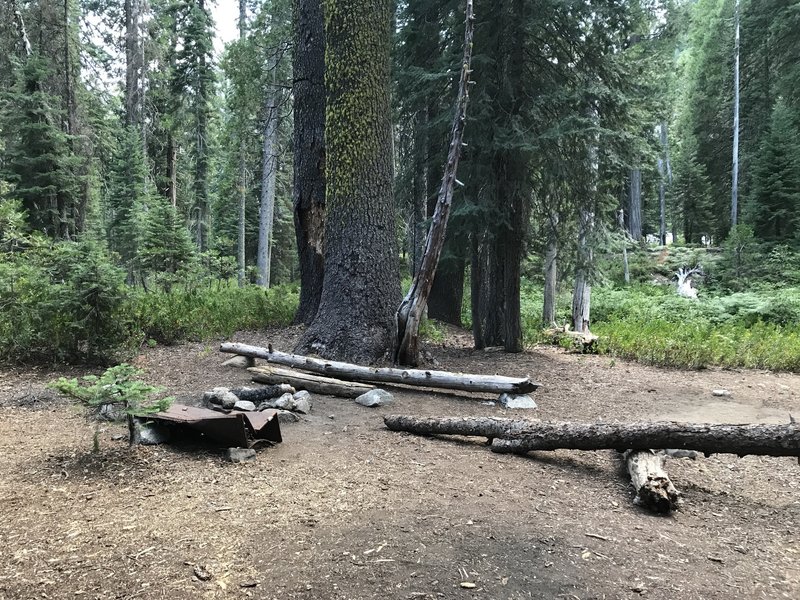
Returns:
<point x="496" y="384"/>
<point x="684" y="276"/>
<point x="654" y="489"/>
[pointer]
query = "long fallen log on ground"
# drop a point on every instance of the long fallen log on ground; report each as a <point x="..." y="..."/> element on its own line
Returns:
<point x="312" y="383"/>
<point x="418" y="377"/>
<point x="518" y="435"/>
<point x="654" y="489"/>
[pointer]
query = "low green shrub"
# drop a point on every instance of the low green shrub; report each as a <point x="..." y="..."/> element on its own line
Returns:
<point x="199" y="313"/>
<point x="119" y="386"/>
<point x="62" y="302"/>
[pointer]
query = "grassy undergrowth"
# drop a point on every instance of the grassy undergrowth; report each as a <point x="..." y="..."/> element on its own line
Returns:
<point x="651" y="324"/>
<point x="210" y="311"/>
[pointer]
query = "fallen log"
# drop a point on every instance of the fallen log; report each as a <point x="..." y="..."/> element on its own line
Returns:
<point x="654" y="489"/>
<point x="519" y="435"/>
<point x="417" y="377"/>
<point x="311" y="383"/>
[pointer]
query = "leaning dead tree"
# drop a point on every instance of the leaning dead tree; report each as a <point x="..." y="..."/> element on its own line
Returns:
<point x="684" y="276"/>
<point x="410" y="312"/>
<point x="520" y="435"/>
<point x="418" y="377"/>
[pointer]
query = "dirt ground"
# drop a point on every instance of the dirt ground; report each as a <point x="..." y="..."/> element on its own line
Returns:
<point x="345" y="509"/>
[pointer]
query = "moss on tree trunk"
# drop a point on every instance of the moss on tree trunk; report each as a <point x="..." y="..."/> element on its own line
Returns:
<point x="361" y="287"/>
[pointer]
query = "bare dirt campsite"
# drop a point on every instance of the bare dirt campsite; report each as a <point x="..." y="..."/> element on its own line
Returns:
<point x="346" y="509"/>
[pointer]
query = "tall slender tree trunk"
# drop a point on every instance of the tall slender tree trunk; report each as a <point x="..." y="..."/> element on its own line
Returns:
<point x="635" y="204"/>
<point x="308" y="195"/>
<point x="269" y="172"/>
<point x="735" y="166"/>
<point x="550" y="271"/>
<point x="582" y="293"/>
<point x="626" y="272"/>
<point x="361" y="288"/>
<point x="132" y="57"/>
<point x="476" y="281"/>
<point x="242" y="203"/>
<point x="201" y="148"/>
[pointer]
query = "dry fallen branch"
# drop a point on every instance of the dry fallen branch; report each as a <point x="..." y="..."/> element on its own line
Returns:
<point x="417" y="377"/>
<point x="654" y="489"/>
<point x="312" y="383"/>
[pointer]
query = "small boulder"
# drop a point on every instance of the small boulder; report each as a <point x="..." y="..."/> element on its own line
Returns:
<point x="286" y="402"/>
<point x="112" y="412"/>
<point x="512" y="401"/>
<point x="240" y="455"/>
<point x="244" y="405"/>
<point x="221" y="396"/>
<point x="376" y="397"/>
<point x="149" y="433"/>
<point x="240" y="362"/>
<point x="287" y="416"/>
<point x="720" y="392"/>
<point x="302" y="402"/>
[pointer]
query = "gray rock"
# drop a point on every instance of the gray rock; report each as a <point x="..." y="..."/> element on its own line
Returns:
<point x="240" y="362"/>
<point x="720" y="392"/>
<point x="512" y="401"/>
<point x="302" y="404"/>
<point x="287" y="416"/>
<point x="149" y="433"/>
<point x="376" y="397"/>
<point x="244" y="405"/>
<point x="240" y="455"/>
<point x="286" y="402"/>
<point x="302" y="394"/>
<point x="112" y="412"/>
<point x="221" y="396"/>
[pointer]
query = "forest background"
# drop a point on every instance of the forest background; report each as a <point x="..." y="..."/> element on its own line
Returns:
<point x="149" y="185"/>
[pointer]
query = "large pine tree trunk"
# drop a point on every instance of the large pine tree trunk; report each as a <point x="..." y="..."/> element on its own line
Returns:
<point x="361" y="288"/>
<point x="269" y="172"/>
<point x="309" y="152"/>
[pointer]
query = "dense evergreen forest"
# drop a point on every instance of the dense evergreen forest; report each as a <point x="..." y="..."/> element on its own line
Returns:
<point x="153" y="189"/>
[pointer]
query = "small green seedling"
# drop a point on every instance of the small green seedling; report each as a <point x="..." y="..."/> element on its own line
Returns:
<point x="118" y="386"/>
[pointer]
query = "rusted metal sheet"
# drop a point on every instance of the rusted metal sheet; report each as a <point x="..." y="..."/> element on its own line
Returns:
<point x="232" y="429"/>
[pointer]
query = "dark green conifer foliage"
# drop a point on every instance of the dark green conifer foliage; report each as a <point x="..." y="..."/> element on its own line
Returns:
<point x="774" y="205"/>
<point x="38" y="157"/>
